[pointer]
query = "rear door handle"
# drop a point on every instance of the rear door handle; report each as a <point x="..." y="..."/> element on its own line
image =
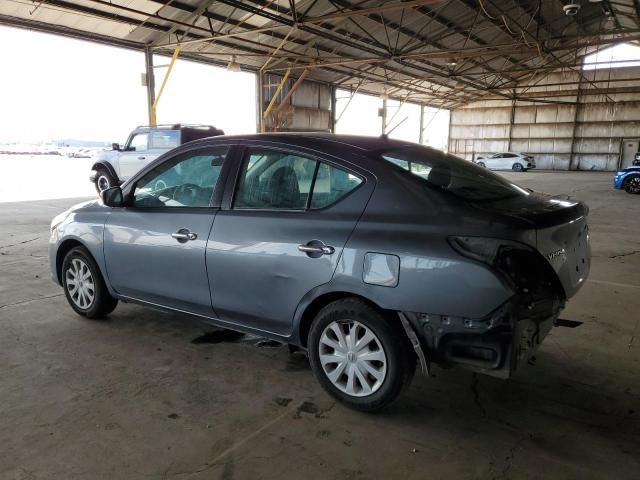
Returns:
<point x="142" y="158"/>
<point x="184" y="235"/>
<point x="318" y="249"/>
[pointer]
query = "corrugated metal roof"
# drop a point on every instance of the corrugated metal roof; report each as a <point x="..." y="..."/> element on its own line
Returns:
<point x="440" y="52"/>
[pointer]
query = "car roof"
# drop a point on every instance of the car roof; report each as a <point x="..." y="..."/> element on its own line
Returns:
<point x="355" y="142"/>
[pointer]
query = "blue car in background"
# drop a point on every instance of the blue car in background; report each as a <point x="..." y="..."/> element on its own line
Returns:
<point x="628" y="179"/>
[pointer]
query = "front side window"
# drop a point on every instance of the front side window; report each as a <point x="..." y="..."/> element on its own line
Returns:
<point x="165" y="139"/>
<point x="188" y="180"/>
<point x="139" y="142"/>
<point x="276" y="180"/>
<point x="452" y="174"/>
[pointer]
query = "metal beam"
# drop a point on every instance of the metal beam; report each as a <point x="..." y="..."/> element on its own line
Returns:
<point x="151" y="85"/>
<point x="154" y="107"/>
<point x="350" y="11"/>
<point x="293" y="88"/>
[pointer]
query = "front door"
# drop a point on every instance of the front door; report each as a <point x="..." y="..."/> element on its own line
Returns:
<point x="494" y="161"/>
<point x="282" y="236"/>
<point x="155" y="248"/>
<point x="629" y="150"/>
<point x="135" y="155"/>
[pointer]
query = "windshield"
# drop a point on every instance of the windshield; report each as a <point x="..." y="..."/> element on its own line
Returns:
<point x="450" y="173"/>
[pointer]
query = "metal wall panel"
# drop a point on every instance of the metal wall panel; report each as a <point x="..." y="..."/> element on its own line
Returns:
<point x="584" y="133"/>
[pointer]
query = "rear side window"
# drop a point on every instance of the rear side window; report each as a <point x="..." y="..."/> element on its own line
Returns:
<point x="331" y="185"/>
<point x="165" y="139"/>
<point x="452" y="174"/>
<point x="276" y="180"/>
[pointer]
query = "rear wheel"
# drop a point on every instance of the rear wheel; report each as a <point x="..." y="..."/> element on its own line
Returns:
<point x="517" y="167"/>
<point x="357" y="355"/>
<point x="104" y="180"/>
<point x="482" y="164"/>
<point x="84" y="286"/>
<point x="632" y="185"/>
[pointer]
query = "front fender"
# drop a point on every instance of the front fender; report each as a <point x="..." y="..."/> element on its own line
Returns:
<point x="85" y="227"/>
<point x="107" y="166"/>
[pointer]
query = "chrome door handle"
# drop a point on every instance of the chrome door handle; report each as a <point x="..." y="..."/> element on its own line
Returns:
<point x="317" y="249"/>
<point x="184" y="235"/>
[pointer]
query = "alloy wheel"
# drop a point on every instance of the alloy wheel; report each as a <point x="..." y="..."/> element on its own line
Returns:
<point x="80" y="284"/>
<point x="103" y="183"/>
<point x="633" y="185"/>
<point x="352" y="358"/>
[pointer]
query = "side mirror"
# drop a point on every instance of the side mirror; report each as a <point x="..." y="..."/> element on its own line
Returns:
<point x="112" y="197"/>
<point x="115" y="146"/>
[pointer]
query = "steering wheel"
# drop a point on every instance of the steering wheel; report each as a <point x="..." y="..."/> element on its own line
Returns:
<point x="186" y="193"/>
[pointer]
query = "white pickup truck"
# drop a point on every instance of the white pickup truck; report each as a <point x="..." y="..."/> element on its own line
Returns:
<point x="144" y="145"/>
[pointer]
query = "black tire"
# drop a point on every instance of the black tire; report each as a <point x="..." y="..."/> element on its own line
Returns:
<point x="517" y="167"/>
<point x="102" y="302"/>
<point x="400" y="359"/>
<point x="482" y="164"/>
<point x="104" y="180"/>
<point x="632" y="185"/>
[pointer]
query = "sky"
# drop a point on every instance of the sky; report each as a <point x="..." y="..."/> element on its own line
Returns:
<point x="66" y="88"/>
<point x="62" y="88"/>
<point x="403" y="121"/>
<point x="623" y="51"/>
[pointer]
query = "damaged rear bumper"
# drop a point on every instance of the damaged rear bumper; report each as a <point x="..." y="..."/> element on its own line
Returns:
<point x="497" y="344"/>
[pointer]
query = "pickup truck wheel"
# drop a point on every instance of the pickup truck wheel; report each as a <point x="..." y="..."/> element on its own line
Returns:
<point x="357" y="355"/>
<point x="84" y="286"/>
<point x="632" y="185"/>
<point x="103" y="180"/>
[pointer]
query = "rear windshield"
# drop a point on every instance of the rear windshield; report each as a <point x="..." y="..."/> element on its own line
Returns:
<point x="446" y="172"/>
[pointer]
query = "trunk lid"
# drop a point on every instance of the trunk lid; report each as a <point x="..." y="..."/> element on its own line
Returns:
<point x="562" y="233"/>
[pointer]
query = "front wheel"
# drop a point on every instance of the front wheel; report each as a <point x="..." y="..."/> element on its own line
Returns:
<point x="482" y="164"/>
<point x="104" y="180"/>
<point x="358" y="357"/>
<point x="632" y="185"/>
<point x="84" y="286"/>
<point x="517" y="167"/>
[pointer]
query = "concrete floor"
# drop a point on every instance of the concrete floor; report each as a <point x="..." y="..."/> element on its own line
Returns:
<point x="132" y="397"/>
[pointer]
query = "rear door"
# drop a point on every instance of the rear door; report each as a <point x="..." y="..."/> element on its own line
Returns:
<point x="507" y="161"/>
<point x="281" y="233"/>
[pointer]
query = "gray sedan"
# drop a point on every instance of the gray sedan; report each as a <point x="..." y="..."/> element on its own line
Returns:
<point x="375" y="256"/>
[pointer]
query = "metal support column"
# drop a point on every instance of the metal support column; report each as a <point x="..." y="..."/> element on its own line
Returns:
<point x="511" y="121"/>
<point x="332" y="118"/>
<point x="383" y="115"/>
<point x="572" y="164"/>
<point x="150" y="83"/>
<point x="154" y="107"/>
<point x="421" y="136"/>
<point x="259" y="102"/>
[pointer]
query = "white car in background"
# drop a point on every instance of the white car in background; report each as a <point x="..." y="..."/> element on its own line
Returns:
<point x="519" y="162"/>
